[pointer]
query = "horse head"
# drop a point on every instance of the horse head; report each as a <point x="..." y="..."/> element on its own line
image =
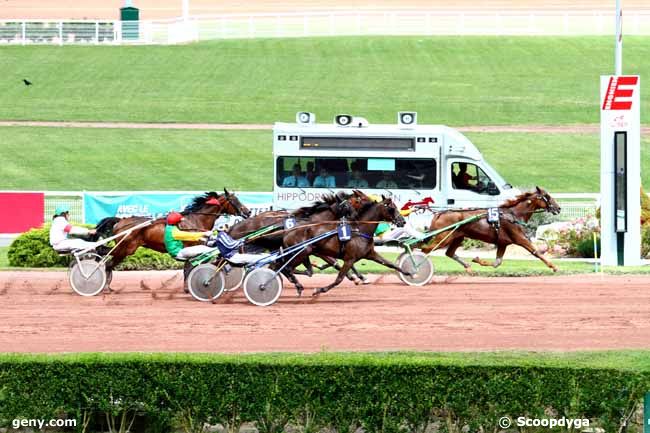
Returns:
<point x="233" y="206"/>
<point x="389" y="212"/>
<point x="543" y="200"/>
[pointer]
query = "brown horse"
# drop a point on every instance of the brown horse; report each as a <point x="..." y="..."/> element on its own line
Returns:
<point x="513" y="214"/>
<point x="360" y="246"/>
<point x="199" y="216"/>
<point x="329" y="208"/>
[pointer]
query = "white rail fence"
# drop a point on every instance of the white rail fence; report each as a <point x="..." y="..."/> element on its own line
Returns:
<point x="335" y="23"/>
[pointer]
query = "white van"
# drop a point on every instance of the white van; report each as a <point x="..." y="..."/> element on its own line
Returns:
<point x="406" y="160"/>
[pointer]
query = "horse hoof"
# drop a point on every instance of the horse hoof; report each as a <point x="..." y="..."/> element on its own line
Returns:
<point x="317" y="292"/>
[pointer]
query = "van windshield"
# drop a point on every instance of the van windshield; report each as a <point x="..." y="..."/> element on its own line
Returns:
<point x="381" y="173"/>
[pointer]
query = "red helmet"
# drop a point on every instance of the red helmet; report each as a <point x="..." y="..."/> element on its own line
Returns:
<point x="174" y="218"/>
<point x="213" y="201"/>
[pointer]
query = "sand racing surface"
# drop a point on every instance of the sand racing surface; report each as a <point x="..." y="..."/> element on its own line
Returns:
<point x="149" y="312"/>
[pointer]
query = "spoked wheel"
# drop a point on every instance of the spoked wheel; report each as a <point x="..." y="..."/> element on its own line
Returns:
<point x="419" y="265"/>
<point x="87" y="277"/>
<point x="262" y="287"/>
<point x="205" y="282"/>
<point x="234" y="276"/>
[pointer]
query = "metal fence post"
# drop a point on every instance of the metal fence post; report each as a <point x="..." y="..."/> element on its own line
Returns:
<point x="60" y="32"/>
<point x="96" y="32"/>
<point x="24" y="31"/>
<point x="83" y="207"/>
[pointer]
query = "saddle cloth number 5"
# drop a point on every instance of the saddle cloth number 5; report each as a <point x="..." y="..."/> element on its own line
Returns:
<point x="493" y="215"/>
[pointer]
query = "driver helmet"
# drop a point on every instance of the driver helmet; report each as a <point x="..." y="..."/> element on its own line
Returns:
<point x="174" y="218"/>
<point x="374" y="198"/>
<point x="225" y="222"/>
<point x="61" y="209"/>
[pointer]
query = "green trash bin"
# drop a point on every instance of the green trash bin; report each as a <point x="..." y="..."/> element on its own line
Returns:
<point x="130" y="18"/>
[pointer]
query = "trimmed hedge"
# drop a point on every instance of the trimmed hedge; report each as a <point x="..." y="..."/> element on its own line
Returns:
<point x="32" y="250"/>
<point x="378" y="392"/>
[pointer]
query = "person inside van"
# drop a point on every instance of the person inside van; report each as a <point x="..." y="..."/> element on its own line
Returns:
<point x="310" y="173"/>
<point x="296" y="179"/>
<point x="324" y="179"/>
<point x="386" y="181"/>
<point x="462" y="178"/>
<point x="356" y="181"/>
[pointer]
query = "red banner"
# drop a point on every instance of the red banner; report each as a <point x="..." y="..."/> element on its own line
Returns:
<point x="21" y="211"/>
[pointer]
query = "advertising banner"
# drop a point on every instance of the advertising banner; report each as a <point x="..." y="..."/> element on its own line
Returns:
<point x="24" y="210"/>
<point x="101" y="205"/>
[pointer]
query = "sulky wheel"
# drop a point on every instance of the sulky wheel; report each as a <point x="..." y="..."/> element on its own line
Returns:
<point x="87" y="277"/>
<point x="419" y="265"/>
<point x="262" y="286"/>
<point x="234" y="276"/>
<point x="205" y="282"/>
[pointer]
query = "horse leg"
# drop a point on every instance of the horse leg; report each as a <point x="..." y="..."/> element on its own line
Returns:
<point x="501" y="249"/>
<point x="451" y="253"/>
<point x="332" y="262"/>
<point x="287" y="272"/>
<point x="187" y="268"/>
<point x="347" y="264"/>
<point x="524" y="242"/>
<point x="376" y="257"/>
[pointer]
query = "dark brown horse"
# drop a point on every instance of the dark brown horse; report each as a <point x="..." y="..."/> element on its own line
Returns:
<point x="513" y="214"/>
<point x="329" y="208"/>
<point x="360" y="246"/>
<point x="199" y="216"/>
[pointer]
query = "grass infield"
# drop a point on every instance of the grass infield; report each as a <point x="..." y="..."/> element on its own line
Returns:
<point x="39" y="158"/>
<point x="455" y="80"/>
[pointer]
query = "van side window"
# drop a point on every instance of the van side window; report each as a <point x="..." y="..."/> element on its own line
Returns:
<point x="465" y="175"/>
<point x="356" y="172"/>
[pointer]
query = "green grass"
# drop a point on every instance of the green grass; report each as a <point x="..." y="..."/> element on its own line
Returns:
<point x="509" y="268"/>
<point x="153" y="159"/>
<point x="450" y="80"/>
<point x="624" y="360"/>
<point x="143" y="159"/>
<point x="4" y="261"/>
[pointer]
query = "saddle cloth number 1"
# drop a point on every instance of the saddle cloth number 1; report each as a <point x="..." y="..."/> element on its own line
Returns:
<point x="344" y="232"/>
<point x="493" y="215"/>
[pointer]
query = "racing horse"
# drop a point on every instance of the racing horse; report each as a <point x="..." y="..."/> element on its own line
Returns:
<point x="359" y="246"/>
<point x="508" y="229"/>
<point x="330" y="208"/>
<point x="200" y="215"/>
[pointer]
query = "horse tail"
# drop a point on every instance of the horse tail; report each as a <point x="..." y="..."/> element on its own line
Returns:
<point x="104" y="228"/>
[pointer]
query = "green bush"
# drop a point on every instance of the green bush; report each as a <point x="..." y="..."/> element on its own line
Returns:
<point x="32" y="250"/>
<point x="378" y="392"/>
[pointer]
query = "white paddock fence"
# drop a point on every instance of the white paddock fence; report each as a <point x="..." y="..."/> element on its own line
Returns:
<point x="334" y="23"/>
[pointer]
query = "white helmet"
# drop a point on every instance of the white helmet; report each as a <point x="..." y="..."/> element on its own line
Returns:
<point x="225" y="222"/>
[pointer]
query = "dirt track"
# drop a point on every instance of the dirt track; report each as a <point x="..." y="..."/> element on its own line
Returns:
<point x="148" y="312"/>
